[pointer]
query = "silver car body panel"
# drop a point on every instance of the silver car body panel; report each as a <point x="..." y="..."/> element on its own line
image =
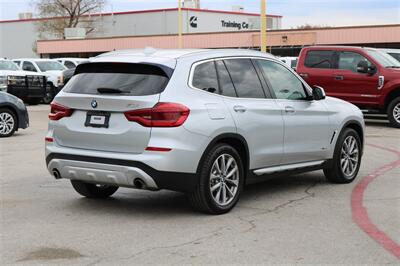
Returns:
<point x="275" y="138"/>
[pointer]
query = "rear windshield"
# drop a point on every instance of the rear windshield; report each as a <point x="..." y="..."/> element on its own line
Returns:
<point x="118" y="78"/>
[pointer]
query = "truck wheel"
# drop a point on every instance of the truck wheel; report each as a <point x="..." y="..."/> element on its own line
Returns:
<point x="221" y="181"/>
<point x="393" y="112"/>
<point x="93" y="190"/>
<point x="49" y="96"/>
<point x="8" y="123"/>
<point x="346" y="160"/>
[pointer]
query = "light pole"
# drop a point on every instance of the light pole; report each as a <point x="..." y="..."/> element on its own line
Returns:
<point x="180" y="40"/>
<point x="263" y="28"/>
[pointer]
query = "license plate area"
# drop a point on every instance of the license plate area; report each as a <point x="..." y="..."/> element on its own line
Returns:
<point x="97" y="119"/>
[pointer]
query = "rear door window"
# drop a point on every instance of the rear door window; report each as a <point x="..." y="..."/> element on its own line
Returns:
<point x="205" y="77"/>
<point x="244" y="78"/>
<point x="118" y="78"/>
<point x="320" y="59"/>
<point x="226" y="87"/>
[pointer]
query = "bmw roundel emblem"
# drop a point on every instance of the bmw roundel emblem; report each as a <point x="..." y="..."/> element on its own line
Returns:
<point x="94" y="103"/>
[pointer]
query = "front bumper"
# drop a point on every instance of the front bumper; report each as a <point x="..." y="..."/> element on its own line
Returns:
<point x="118" y="172"/>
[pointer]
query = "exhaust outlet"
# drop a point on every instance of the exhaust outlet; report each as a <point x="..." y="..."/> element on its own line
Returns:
<point x="138" y="183"/>
<point x="56" y="174"/>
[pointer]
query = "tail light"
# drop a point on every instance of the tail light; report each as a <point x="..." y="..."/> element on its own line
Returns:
<point x="161" y="115"/>
<point x="59" y="111"/>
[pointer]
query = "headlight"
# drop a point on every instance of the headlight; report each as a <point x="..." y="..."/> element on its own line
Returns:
<point x="16" y="80"/>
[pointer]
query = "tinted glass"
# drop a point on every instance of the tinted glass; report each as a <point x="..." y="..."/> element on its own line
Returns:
<point x="293" y="63"/>
<point x="69" y="64"/>
<point x="130" y="79"/>
<point x="28" y="66"/>
<point x="17" y="62"/>
<point x="396" y="56"/>
<point x="225" y="83"/>
<point x="350" y="60"/>
<point x="49" y="65"/>
<point x="205" y="76"/>
<point x="245" y="78"/>
<point x="284" y="83"/>
<point x="320" y="59"/>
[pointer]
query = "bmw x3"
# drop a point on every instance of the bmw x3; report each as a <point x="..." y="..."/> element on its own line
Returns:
<point x="202" y="122"/>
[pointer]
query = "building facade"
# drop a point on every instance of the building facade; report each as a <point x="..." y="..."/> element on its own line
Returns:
<point x="18" y="37"/>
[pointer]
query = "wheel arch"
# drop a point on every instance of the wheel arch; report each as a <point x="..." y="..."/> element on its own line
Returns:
<point x="235" y="140"/>
<point x="354" y="124"/>
<point x="391" y="96"/>
<point x="13" y="110"/>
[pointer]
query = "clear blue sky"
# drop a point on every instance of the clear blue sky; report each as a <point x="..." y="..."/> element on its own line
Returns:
<point x="295" y="12"/>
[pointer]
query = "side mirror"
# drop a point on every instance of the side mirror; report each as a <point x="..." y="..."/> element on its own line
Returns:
<point x="362" y="67"/>
<point x="318" y="93"/>
<point x="372" y="70"/>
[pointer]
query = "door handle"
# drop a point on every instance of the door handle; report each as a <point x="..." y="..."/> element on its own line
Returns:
<point x="239" y="108"/>
<point x="339" y="77"/>
<point x="289" y="109"/>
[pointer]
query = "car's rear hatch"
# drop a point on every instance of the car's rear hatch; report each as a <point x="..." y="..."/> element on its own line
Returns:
<point x="98" y="95"/>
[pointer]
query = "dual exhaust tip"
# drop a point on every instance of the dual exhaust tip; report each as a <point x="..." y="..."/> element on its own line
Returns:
<point x="138" y="183"/>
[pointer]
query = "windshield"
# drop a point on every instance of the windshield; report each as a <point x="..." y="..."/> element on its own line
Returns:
<point x="7" y="65"/>
<point x="383" y="58"/>
<point x="49" y="65"/>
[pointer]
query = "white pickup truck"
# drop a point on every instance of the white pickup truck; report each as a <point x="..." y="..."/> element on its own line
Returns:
<point x="52" y="69"/>
<point x="28" y="86"/>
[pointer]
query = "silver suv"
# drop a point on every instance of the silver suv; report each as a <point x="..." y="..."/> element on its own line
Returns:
<point x="203" y="122"/>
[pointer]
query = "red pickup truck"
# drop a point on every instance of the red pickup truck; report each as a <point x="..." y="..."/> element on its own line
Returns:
<point x="366" y="77"/>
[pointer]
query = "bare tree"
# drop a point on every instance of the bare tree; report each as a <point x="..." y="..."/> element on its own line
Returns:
<point x="60" y="14"/>
<point x="309" y="26"/>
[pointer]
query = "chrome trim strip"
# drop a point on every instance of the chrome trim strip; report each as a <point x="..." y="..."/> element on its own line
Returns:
<point x="280" y="168"/>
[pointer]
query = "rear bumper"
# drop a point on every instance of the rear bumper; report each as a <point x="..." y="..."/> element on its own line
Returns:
<point x="118" y="172"/>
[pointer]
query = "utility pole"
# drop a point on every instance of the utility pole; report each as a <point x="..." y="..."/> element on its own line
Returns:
<point x="263" y="28"/>
<point x="180" y="40"/>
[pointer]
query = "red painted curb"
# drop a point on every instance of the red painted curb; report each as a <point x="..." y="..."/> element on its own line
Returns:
<point x="359" y="212"/>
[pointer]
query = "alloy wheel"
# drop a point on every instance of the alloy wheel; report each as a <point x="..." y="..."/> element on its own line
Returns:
<point x="224" y="179"/>
<point x="396" y="112"/>
<point x="349" y="156"/>
<point x="6" y="123"/>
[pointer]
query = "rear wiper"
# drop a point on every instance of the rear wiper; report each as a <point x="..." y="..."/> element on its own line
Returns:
<point x="393" y="67"/>
<point x="109" y="90"/>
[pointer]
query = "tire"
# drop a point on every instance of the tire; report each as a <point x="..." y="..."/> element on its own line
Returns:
<point x="92" y="190"/>
<point x="393" y="112"/>
<point x="8" y="123"/>
<point x="49" y="96"/>
<point x="346" y="160"/>
<point x="218" y="192"/>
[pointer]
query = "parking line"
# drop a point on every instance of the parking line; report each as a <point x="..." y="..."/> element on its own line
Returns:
<point x="359" y="212"/>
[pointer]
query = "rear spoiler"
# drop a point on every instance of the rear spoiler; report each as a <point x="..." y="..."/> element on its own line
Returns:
<point x="117" y="67"/>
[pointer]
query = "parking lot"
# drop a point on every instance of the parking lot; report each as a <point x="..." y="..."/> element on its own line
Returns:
<point x="297" y="219"/>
